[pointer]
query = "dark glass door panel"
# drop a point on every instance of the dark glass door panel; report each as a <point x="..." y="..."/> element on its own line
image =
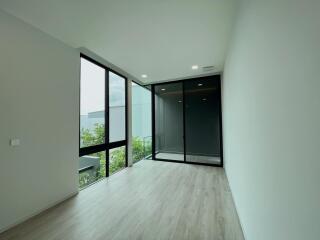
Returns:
<point x="202" y="120"/>
<point x="168" y="116"/>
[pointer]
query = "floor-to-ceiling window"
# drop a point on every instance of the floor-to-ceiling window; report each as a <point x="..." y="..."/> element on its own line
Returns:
<point x="141" y="122"/>
<point x="103" y="122"/>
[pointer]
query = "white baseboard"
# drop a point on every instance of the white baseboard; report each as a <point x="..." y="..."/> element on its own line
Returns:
<point x="37" y="212"/>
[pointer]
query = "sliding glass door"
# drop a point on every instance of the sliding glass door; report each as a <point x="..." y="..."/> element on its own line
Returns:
<point x="103" y="122"/>
<point x="187" y="121"/>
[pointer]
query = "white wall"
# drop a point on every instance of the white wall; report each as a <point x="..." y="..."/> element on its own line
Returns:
<point x="271" y="103"/>
<point x="39" y="96"/>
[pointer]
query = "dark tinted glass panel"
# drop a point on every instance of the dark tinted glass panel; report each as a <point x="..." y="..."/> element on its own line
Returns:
<point x="202" y="122"/>
<point x="169" y="122"/>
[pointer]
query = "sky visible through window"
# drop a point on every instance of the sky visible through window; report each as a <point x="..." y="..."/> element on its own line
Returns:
<point x="117" y="90"/>
<point x="92" y="88"/>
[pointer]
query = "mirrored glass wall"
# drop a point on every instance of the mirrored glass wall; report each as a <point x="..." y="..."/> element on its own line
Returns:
<point x="187" y="121"/>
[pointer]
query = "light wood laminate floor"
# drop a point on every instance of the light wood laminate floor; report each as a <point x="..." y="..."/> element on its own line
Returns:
<point x="151" y="200"/>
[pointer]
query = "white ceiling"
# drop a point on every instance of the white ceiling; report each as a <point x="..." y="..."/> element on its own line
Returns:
<point x="160" y="38"/>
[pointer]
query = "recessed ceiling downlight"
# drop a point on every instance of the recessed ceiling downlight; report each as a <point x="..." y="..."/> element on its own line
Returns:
<point x="200" y="84"/>
<point x="144" y="75"/>
<point x="163" y="89"/>
<point x="194" y="67"/>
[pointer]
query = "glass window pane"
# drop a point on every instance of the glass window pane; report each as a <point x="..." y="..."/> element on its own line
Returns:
<point x="141" y="123"/>
<point x="92" y="104"/>
<point x="202" y="119"/>
<point x="169" y="121"/>
<point x="117" y="159"/>
<point x="92" y="168"/>
<point x="117" y="108"/>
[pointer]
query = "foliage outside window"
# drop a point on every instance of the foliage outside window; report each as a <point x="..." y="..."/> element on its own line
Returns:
<point x="95" y="137"/>
<point x="140" y="147"/>
<point x="117" y="159"/>
<point x="92" y="175"/>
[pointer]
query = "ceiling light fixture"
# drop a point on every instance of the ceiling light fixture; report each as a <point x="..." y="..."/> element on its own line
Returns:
<point x="163" y="89"/>
<point x="204" y="99"/>
<point x="144" y="75"/>
<point x="200" y="84"/>
<point x="180" y="101"/>
<point x="195" y="67"/>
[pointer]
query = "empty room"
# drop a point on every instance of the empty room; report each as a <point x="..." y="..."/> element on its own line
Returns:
<point x="159" y="119"/>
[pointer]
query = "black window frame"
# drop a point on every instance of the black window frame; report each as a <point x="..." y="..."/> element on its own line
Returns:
<point x="107" y="145"/>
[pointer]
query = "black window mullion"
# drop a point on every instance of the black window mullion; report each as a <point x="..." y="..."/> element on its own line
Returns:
<point x="184" y="122"/>
<point x="153" y="122"/>
<point x="117" y="144"/>
<point x="107" y="119"/>
<point x="126" y="116"/>
<point x="92" y="149"/>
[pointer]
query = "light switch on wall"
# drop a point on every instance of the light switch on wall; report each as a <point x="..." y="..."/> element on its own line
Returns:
<point x="14" y="142"/>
